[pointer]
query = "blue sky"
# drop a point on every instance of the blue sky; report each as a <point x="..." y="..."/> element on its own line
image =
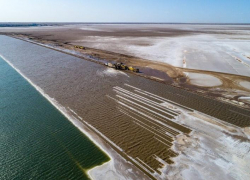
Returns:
<point x="184" y="11"/>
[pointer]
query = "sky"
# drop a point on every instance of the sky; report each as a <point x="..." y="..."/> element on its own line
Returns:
<point x="168" y="11"/>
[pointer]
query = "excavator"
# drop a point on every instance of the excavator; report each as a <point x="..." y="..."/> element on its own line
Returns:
<point x="80" y="47"/>
<point x="133" y="69"/>
<point x="121" y="66"/>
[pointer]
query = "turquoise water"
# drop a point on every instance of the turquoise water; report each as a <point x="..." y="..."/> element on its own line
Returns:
<point x="36" y="140"/>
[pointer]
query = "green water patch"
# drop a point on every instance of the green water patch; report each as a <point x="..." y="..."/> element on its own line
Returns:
<point x="36" y="140"/>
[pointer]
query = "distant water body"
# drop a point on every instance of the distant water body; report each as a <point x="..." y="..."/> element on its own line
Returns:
<point x="34" y="24"/>
<point x="36" y="140"/>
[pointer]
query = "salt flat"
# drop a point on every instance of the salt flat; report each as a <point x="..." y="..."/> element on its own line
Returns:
<point x="211" y="50"/>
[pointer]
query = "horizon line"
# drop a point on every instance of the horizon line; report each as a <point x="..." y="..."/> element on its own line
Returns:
<point x="61" y="22"/>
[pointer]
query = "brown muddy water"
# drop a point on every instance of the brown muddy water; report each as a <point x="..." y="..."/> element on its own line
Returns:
<point x="124" y="108"/>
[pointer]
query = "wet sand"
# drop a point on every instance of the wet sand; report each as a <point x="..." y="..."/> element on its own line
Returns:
<point x="128" y="112"/>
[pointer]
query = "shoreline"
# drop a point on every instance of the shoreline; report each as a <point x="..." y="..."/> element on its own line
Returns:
<point x="80" y="126"/>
